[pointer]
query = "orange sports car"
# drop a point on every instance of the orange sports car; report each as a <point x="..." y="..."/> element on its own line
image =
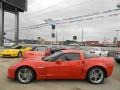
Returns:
<point x="42" y="51"/>
<point x="37" y="51"/>
<point x="65" y="64"/>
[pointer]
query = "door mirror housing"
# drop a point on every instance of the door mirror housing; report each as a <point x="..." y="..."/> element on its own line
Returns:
<point x="58" y="61"/>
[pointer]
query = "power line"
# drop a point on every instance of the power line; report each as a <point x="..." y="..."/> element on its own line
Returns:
<point x="77" y="19"/>
<point x="71" y="6"/>
<point x="52" y="6"/>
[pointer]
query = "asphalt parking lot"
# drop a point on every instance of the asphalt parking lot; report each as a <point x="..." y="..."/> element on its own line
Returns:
<point x="111" y="83"/>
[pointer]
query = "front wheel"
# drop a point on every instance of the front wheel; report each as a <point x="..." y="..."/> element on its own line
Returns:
<point x="96" y="75"/>
<point x="25" y="75"/>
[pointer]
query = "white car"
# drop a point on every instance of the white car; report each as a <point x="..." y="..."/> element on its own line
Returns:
<point x="9" y="44"/>
<point x="95" y="50"/>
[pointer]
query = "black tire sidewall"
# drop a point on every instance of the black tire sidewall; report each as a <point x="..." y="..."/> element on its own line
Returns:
<point x="88" y="75"/>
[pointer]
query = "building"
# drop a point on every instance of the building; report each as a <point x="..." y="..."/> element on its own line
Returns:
<point x="92" y="43"/>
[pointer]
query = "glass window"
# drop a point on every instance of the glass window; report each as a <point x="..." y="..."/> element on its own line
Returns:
<point x="70" y="56"/>
<point x="52" y="57"/>
<point x="17" y="47"/>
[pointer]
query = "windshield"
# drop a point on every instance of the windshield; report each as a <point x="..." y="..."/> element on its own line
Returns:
<point x="17" y="47"/>
<point x="52" y="57"/>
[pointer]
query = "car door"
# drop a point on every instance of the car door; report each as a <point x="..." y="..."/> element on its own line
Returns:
<point x="70" y="67"/>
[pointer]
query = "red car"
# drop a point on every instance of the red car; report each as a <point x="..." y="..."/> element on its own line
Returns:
<point x="42" y="51"/>
<point x="37" y="51"/>
<point x="65" y="64"/>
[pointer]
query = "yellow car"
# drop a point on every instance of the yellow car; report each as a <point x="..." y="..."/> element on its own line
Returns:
<point x="16" y="51"/>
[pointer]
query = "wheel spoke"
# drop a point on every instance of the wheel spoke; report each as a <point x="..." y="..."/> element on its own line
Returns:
<point x="96" y="75"/>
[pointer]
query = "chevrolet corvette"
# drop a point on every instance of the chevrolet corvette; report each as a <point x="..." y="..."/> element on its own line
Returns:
<point x="96" y="50"/>
<point x="43" y="51"/>
<point x="65" y="64"/>
<point x="37" y="51"/>
<point x="16" y="51"/>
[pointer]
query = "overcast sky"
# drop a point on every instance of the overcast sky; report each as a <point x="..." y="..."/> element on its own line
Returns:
<point x="38" y="10"/>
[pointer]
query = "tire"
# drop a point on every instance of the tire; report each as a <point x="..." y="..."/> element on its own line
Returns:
<point x="96" y="75"/>
<point x="118" y="61"/>
<point x="25" y="75"/>
<point x="108" y="55"/>
<point x="19" y="54"/>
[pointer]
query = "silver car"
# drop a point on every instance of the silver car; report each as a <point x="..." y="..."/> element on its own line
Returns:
<point x="95" y="50"/>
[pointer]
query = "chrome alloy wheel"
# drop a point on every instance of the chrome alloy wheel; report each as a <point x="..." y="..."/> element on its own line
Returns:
<point x="25" y="75"/>
<point x="96" y="75"/>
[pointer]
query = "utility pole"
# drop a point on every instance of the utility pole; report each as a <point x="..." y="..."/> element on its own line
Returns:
<point x="82" y="35"/>
<point x="1" y="24"/>
<point x="56" y="38"/>
<point x="117" y="35"/>
<point x="53" y="25"/>
<point x="16" y="27"/>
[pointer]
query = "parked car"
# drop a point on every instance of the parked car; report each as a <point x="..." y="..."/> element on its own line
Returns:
<point x="117" y="57"/>
<point x="16" y="51"/>
<point x="95" y="50"/>
<point x="65" y="64"/>
<point x="37" y="51"/>
<point x="9" y="44"/>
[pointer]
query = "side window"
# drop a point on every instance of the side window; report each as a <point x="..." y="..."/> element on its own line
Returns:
<point x="70" y="56"/>
<point x="62" y="57"/>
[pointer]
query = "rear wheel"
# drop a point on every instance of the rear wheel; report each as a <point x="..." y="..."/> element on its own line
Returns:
<point x="118" y="61"/>
<point x="25" y="75"/>
<point x="19" y="54"/>
<point x="96" y="75"/>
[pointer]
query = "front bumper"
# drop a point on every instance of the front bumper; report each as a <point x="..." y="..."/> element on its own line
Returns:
<point x="11" y="73"/>
<point x="8" y="54"/>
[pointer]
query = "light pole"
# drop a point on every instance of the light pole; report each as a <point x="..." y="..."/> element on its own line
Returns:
<point x="117" y="36"/>
<point x="82" y="35"/>
<point x="53" y="25"/>
<point x="56" y="38"/>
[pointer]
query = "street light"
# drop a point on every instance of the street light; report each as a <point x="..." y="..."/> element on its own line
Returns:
<point x="53" y="25"/>
<point x="118" y="5"/>
<point x="82" y="35"/>
<point x="117" y="35"/>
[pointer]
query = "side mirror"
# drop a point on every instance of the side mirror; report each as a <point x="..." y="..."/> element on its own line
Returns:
<point x="58" y="61"/>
